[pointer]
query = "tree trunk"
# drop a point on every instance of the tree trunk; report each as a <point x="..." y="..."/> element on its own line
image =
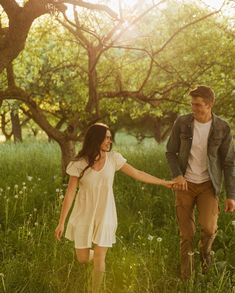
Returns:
<point x="92" y="83"/>
<point x="4" y="127"/>
<point x="16" y="127"/>
<point x="67" y="154"/>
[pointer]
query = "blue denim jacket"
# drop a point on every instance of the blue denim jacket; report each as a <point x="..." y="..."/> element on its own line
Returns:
<point x="220" y="151"/>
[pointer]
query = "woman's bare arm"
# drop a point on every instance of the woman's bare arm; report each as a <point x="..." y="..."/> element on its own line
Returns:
<point x="144" y="177"/>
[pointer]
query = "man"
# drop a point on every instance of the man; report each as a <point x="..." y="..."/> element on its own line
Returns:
<point x="200" y="149"/>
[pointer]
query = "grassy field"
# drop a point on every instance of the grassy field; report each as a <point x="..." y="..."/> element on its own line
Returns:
<point x="145" y="258"/>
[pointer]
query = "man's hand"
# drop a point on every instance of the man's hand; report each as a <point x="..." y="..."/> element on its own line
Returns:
<point x="180" y="183"/>
<point x="229" y="205"/>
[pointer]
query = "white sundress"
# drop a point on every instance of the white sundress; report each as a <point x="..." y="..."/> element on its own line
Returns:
<point x="93" y="218"/>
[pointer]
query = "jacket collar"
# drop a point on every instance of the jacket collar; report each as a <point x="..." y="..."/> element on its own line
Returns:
<point x="215" y="121"/>
<point x="191" y="118"/>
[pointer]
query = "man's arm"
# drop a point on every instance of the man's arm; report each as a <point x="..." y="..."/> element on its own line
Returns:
<point x="172" y="150"/>
<point x="227" y="154"/>
<point x="228" y="163"/>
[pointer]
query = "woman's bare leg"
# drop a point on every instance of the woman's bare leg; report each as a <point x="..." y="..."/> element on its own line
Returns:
<point x="84" y="255"/>
<point x="99" y="268"/>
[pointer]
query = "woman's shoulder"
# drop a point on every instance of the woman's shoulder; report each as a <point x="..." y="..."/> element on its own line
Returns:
<point x="75" y="167"/>
<point x="117" y="159"/>
<point x="114" y="154"/>
<point x="79" y="163"/>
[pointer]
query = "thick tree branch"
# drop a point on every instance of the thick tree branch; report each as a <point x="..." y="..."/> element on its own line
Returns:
<point x="10" y="7"/>
<point x="36" y="112"/>
<point x="92" y="6"/>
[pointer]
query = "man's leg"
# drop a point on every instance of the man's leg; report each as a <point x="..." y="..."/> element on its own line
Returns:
<point x="185" y="201"/>
<point x="208" y="211"/>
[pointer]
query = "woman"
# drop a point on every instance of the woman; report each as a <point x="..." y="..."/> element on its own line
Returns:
<point x="93" y="220"/>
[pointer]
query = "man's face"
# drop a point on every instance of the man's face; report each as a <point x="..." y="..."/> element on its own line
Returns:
<point x="200" y="108"/>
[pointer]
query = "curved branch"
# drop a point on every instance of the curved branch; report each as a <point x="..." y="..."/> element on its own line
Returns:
<point x="36" y="112"/>
<point x="92" y="6"/>
<point x="183" y="28"/>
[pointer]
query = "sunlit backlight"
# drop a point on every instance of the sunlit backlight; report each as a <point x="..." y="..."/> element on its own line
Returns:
<point x="213" y="3"/>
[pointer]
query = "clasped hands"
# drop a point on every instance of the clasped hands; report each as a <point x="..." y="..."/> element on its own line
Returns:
<point x="180" y="183"/>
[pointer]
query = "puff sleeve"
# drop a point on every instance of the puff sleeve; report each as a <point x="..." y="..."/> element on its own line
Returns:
<point x="118" y="160"/>
<point x="74" y="168"/>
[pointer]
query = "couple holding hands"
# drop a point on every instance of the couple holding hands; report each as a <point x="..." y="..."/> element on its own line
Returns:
<point x="199" y="150"/>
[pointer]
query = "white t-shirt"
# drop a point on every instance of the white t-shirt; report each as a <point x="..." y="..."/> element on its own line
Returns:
<point x="197" y="171"/>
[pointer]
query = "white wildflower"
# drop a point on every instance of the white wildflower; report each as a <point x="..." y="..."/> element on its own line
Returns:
<point x="150" y="237"/>
<point x="16" y="196"/>
<point x="30" y="178"/>
<point x="159" y="239"/>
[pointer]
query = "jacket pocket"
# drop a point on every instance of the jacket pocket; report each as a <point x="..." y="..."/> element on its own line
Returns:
<point x="216" y="141"/>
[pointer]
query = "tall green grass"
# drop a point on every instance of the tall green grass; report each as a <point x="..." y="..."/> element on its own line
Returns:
<point x="145" y="257"/>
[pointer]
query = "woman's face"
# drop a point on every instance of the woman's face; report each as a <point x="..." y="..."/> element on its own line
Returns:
<point x="106" y="144"/>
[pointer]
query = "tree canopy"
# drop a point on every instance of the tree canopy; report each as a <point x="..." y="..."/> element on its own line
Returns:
<point x="131" y="68"/>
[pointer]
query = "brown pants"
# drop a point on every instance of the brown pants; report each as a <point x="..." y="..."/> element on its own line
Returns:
<point x="202" y="195"/>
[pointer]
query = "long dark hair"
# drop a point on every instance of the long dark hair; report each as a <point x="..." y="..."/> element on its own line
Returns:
<point x="94" y="137"/>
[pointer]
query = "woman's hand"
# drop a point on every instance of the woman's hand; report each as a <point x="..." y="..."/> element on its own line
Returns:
<point x="168" y="184"/>
<point x="180" y="183"/>
<point x="59" y="231"/>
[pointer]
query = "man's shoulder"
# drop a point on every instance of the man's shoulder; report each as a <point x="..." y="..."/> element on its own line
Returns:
<point x="220" y="122"/>
<point x="185" y="118"/>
